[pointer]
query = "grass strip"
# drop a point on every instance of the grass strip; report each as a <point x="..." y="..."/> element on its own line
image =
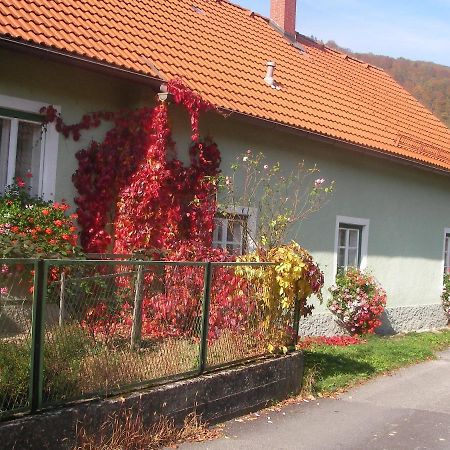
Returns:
<point x="331" y="369"/>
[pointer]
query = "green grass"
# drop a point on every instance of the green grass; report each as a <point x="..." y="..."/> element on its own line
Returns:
<point x="330" y="369"/>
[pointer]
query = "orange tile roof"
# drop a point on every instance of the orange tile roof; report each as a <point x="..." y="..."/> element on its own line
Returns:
<point x="221" y="51"/>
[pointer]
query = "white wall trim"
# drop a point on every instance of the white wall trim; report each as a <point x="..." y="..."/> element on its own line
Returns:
<point x="51" y="138"/>
<point x="364" y="223"/>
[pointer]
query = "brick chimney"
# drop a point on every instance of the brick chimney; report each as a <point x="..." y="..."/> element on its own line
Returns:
<point x="282" y="13"/>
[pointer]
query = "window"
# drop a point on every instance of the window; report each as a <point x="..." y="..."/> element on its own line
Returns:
<point x="21" y="150"/>
<point x="447" y="250"/>
<point x="233" y="228"/>
<point x="26" y="147"/>
<point x="230" y="233"/>
<point x="351" y="243"/>
<point x="349" y="246"/>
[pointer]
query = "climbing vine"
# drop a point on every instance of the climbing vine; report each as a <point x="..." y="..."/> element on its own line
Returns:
<point x="133" y="192"/>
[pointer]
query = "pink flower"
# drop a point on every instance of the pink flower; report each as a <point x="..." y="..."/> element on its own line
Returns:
<point x="319" y="182"/>
<point x="4" y="291"/>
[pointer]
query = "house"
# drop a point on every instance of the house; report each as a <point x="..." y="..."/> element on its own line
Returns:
<point x="389" y="156"/>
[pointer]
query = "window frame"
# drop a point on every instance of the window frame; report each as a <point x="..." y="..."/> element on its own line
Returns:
<point x="19" y="109"/>
<point x="247" y="245"/>
<point x="357" y="223"/>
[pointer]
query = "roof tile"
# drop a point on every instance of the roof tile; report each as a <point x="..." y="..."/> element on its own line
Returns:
<point x="221" y="50"/>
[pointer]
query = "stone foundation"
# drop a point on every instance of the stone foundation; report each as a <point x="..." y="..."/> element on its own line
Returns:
<point x="395" y="320"/>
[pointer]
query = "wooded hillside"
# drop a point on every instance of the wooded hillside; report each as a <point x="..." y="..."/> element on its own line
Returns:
<point x="428" y="82"/>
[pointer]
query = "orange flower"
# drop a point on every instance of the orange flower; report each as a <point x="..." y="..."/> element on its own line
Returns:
<point x="48" y="230"/>
<point x="45" y="212"/>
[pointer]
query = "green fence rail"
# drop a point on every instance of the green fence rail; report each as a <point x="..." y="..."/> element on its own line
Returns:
<point x="81" y="329"/>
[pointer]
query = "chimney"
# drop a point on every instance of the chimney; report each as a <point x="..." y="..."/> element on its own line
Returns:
<point x="282" y="13"/>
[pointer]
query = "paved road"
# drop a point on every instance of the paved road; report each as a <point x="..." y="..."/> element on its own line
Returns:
<point x="405" y="411"/>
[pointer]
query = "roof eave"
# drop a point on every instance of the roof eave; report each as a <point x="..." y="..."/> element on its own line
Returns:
<point x="338" y="142"/>
<point x="80" y="61"/>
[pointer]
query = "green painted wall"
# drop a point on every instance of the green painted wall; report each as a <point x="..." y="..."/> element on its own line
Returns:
<point x="407" y="207"/>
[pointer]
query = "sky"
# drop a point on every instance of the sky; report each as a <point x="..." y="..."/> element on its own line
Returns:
<point x="414" y="29"/>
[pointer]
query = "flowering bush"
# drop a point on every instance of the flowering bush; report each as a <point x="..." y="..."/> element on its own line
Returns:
<point x="32" y="227"/>
<point x="358" y="301"/>
<point x="294" y="277"/>
<point x="445" y="296"/>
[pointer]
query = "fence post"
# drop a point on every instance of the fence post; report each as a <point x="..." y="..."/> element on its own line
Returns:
<point x="37" y="335"/>
<point x="297" y="306"/>
<point x="205" y="317"/>
<point x="136" y="329"/>
<point x="62" y="300"/>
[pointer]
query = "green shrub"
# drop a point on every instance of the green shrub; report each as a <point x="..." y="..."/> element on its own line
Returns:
<point x="14" y="374"/>
<point x="64" y="352"/>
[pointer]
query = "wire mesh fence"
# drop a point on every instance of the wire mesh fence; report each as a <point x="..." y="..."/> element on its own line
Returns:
<point x="16" y="302"/>
<point x="101" y="327"/>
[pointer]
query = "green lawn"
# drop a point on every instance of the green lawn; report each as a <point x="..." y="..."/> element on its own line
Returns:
<point x="331" y="368"/>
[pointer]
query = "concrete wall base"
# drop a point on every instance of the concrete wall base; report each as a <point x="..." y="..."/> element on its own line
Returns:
<point x="395" y="320"/>
<point x="216" y="397"/>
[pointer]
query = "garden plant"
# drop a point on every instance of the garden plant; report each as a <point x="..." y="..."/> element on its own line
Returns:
<point x="357" y="300"/>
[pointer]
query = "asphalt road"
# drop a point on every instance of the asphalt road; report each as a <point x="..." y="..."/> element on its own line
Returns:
<point x="404" y="411"/>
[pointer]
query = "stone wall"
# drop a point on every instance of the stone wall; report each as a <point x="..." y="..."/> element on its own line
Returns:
<point x="216" y="397"/>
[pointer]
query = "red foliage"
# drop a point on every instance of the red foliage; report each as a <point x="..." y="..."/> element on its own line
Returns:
<point x="173" y="296"/>
<point x="159" y="202"/>
<point x="134" y="181"/>
<point x="339" y="341"/>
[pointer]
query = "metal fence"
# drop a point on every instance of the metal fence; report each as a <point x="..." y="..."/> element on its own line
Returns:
<point x="78" y="329"/>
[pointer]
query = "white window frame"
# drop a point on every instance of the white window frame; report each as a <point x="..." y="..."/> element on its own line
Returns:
<point x="49" y="149"/>
<point x="444" y="265"/>
<point x="358" y="222"/>
<point x="251" y="214"/>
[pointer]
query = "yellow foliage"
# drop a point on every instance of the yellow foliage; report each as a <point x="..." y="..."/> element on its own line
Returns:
<point x="294" y="277"/>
